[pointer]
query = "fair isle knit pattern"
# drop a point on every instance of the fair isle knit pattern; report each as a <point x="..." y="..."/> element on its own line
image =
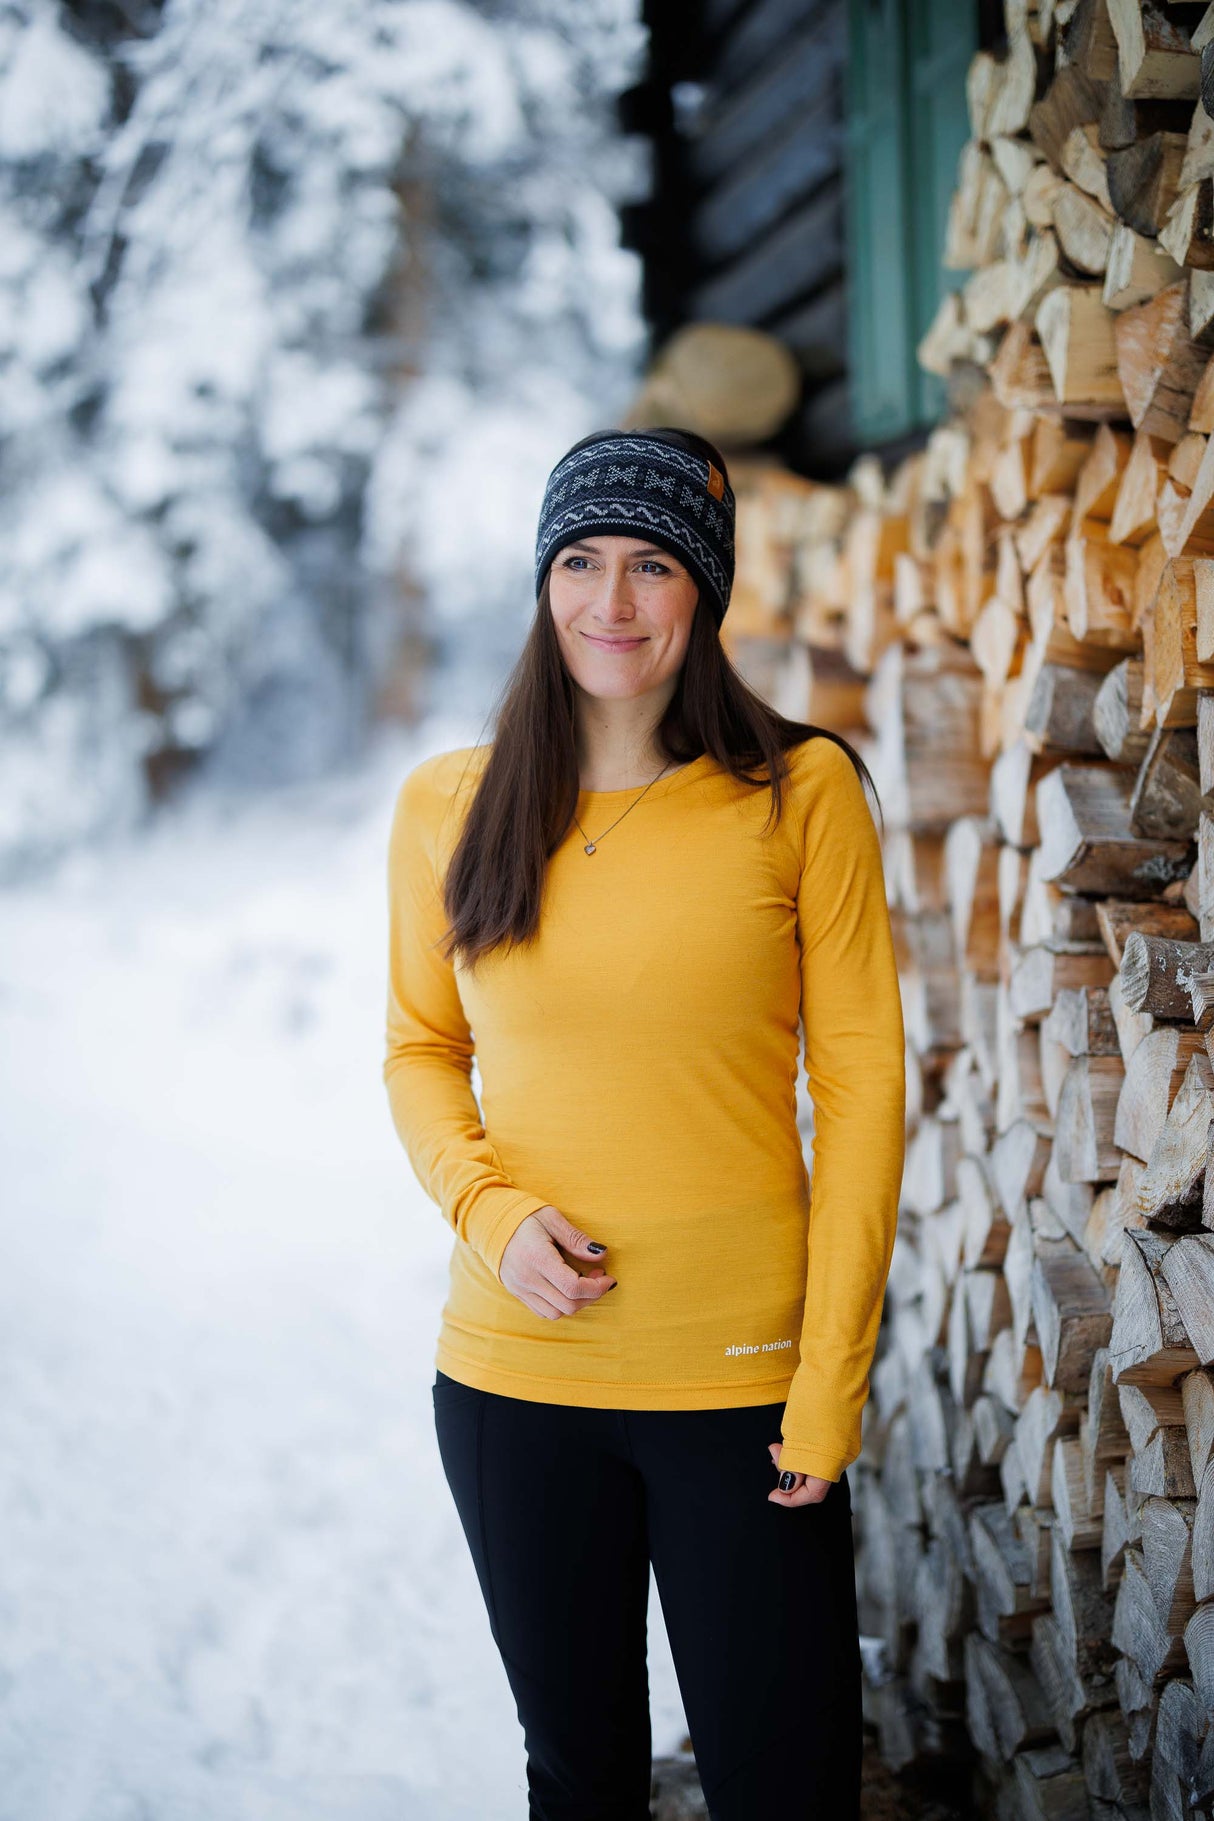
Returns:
<point x="628" y="482"/>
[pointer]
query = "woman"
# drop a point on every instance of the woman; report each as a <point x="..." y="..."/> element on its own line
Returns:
<point x="622" y="907"/>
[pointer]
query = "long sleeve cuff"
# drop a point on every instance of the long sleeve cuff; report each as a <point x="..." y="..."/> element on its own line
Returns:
<point x="499" y="1215"/>
<point x="822" y="1464"/>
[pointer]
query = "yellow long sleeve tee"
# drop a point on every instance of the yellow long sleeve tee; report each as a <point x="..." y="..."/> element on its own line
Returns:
<point x="638" y="1070"/>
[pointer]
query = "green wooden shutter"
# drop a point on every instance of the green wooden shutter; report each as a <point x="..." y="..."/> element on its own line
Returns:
<point x="906" y="125"/>
<point x="943" y="37"/>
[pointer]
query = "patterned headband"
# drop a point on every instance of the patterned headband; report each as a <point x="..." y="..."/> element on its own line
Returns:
<point x="626" y="482"/>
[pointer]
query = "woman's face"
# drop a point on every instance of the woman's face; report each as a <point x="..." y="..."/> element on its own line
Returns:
<point x="623" y="610"/>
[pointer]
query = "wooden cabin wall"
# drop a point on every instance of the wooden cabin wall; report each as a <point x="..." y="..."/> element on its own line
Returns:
<point x="747" y="220"/>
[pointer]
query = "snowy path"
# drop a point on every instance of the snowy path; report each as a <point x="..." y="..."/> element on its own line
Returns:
<point x="232" y="1582"/>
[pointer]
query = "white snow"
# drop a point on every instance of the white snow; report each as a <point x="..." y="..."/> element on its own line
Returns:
<point x="53" y="95"/>
<point x="233" y="1586"/>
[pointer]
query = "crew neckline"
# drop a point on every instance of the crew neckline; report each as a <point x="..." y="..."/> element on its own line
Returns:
<point x="662" y="785"/>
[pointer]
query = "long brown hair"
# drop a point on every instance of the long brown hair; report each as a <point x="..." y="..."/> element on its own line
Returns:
<point x="526" y="800"/>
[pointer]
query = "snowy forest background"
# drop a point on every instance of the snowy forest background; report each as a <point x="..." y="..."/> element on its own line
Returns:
<point x="298" y="306"/>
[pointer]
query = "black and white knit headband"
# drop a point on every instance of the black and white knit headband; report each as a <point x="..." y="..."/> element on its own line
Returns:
<point x="627" y="482"/>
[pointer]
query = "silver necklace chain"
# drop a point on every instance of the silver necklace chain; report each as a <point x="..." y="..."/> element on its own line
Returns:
<point x="591" y="845"/>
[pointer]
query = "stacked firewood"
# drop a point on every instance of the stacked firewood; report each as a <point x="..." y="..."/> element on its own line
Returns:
<point x="1016" y="627"/>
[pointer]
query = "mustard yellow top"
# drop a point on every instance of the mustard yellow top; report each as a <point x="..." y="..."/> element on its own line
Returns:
<point x="638" y="1067"/>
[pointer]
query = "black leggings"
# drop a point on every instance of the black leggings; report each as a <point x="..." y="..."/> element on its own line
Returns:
<point x="564" y="1509"/>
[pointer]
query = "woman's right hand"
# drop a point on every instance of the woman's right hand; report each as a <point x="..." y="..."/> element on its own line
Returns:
<point x="533" y="1269"/>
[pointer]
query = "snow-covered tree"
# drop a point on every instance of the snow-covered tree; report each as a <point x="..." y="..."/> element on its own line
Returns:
<point x="299" y="301"/>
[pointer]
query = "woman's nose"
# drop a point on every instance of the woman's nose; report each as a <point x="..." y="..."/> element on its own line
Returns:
<point x="616" y="600"/>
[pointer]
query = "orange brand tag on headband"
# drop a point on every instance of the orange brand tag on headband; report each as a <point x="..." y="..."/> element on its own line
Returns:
<point x="716" y="482"/>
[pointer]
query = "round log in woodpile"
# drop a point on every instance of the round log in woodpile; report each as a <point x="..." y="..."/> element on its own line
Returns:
<point x="1016" y="628"/>
<point x="730" y="382"/>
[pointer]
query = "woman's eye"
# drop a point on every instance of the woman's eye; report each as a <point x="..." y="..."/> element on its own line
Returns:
<point x="647" y="562"/>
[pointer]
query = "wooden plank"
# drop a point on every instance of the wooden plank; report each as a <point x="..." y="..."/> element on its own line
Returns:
<point x="820" y="434"/>
<point x="716" y="15"/>
<point x="807" y="65"/>
<point x="781" y="267"/>
<point x="817" y="331"/>
<point x="752" y="33"/>
<point x="782" y="175"/>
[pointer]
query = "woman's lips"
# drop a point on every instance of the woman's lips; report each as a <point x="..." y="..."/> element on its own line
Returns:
<point x="614" y="644"/>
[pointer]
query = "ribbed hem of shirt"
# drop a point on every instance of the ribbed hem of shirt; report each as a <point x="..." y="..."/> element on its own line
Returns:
<point x="613" y="1395"/>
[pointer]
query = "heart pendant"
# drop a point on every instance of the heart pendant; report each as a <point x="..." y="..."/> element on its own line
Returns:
<point x="589" y="847"/>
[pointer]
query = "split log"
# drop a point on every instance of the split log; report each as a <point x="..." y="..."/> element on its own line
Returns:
<point x="1199" y="1648"/>
<point x="1060" y="711"/>
<point x="1171" y="1190"/>
<point x="1085" y="1131"/>
<point x="1079" y="1525"/>
<point x="1116" y="919"/>
<point x="1167" y="1551"/>
<point x="1109" y="1769"/>
<point x="1187" y="1266"/>
<point x="1117" y="713"/>
<point x="1118" y="1527"/>
<point x="1203" y="1540"/>
<point x="1088" y="843"/>
<point x="1001" y="1564"/>
<point x="1148" y="1344"/>
<point x="1180" y="1729"/>
<point x="1081" y="351"/>
<point x="1197" y="1402"/>
<point x="1153" y="1078"/>
<point x="1004" y="1703"/>
<point x="1138" y="1631"/>
<point x="1072" y="1314"/>
<point x="1154" y="55"/>
<point x="1144" y="180"/>
<point x="1156" y="974"/>
<point x="1080" y="1020"/>
<point x="1159" y="364"/>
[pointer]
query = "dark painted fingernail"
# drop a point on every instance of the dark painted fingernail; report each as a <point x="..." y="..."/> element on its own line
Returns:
<point x="592" y="1245"/>
<point x="786" y="1481"/>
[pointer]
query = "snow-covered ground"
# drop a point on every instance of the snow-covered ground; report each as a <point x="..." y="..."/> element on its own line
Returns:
<point x="233" y="1585"/>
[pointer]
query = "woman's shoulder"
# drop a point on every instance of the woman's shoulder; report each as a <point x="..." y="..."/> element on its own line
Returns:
<point x="826" y="787"/>
<point x="437" y="779"/>
<point x="821" y="762"/>
<point x="833" y="804"/>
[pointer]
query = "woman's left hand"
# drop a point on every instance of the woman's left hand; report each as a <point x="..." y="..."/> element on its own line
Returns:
<point x="805" y="1489"/>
